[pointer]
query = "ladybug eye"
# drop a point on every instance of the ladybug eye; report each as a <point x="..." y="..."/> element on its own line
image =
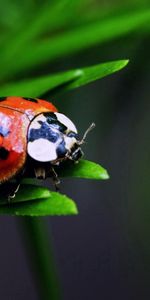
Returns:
<point x="77" y="154"/>
<point x="66" y="121"/>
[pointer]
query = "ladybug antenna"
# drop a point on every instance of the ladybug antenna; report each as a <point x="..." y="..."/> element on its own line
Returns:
<point x="86" y="133"/>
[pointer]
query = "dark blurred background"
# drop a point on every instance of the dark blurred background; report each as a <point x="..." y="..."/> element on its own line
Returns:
<point x="104" y="252"/>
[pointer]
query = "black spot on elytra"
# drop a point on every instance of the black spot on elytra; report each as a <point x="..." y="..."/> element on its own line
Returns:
<point x="3" y="153"/>
<point x="3" y="99"/>
<point x="31" y="99"/>
<point x="44" y="132"/>
<point x="4" y="131"/>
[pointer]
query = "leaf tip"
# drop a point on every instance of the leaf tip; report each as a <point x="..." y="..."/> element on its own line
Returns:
<point x="126" y="61"/>
<point x="104" y="175"/>
<point x="73" y="209"/>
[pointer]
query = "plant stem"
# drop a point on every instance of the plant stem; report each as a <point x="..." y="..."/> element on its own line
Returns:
<point x="37" y="245"/>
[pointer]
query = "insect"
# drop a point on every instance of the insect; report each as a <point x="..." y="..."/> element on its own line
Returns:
<point x="33" y="134"/>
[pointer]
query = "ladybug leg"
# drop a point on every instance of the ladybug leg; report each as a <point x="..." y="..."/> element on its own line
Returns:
<point x="40" y="173"/>
<point x="12" y="195"/>
<point x="8" y="190"/>
<point x="55" y="179"/>
<point x="15" y="187"/>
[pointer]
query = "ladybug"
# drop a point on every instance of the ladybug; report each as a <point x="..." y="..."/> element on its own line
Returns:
<point x="33" y="133"/>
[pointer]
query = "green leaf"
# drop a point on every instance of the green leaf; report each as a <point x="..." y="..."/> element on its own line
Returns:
<point x="25" y="193"/>
<point x="96" y="72"/>
<point x="55" y="204"/>
<point x="38" y="86"/>
<point x="84" y="169"/>
<point x="62" y="81"/>
<point x="33" y="200"/>
<point x="74" y="41"/>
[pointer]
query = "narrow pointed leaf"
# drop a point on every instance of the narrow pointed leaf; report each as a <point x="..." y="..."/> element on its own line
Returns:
<point x="38" y="86"/>
<point x="94" y="73"/>
<point x="55" y="204"/>
<point x="62" y="81"/>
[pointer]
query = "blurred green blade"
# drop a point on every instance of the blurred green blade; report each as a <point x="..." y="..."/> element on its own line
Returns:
<point x="74" y="41"/>
<point x="84" y="169"/>
<point x="46" y="17"/>
<point x="55" y="204"/>
<point x="13" y="14"/>
<point x="85" y="37"/>
<point x="62" y="81"/>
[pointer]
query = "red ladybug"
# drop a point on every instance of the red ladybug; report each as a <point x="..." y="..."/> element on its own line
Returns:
<point x="33" y="130"/>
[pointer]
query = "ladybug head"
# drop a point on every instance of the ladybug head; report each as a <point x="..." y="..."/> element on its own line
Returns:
<point x="53" y="137"/>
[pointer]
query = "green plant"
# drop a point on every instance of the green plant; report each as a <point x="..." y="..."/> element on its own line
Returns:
<point x="52" y="203"/>
<point x="49" y="32"/>
<point x="28" y="59"/>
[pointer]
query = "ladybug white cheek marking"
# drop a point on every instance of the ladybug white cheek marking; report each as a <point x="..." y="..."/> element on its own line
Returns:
<point x="69" y="142"/>
<point x="42" y="150"/>
<point x="66" y="121"/>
